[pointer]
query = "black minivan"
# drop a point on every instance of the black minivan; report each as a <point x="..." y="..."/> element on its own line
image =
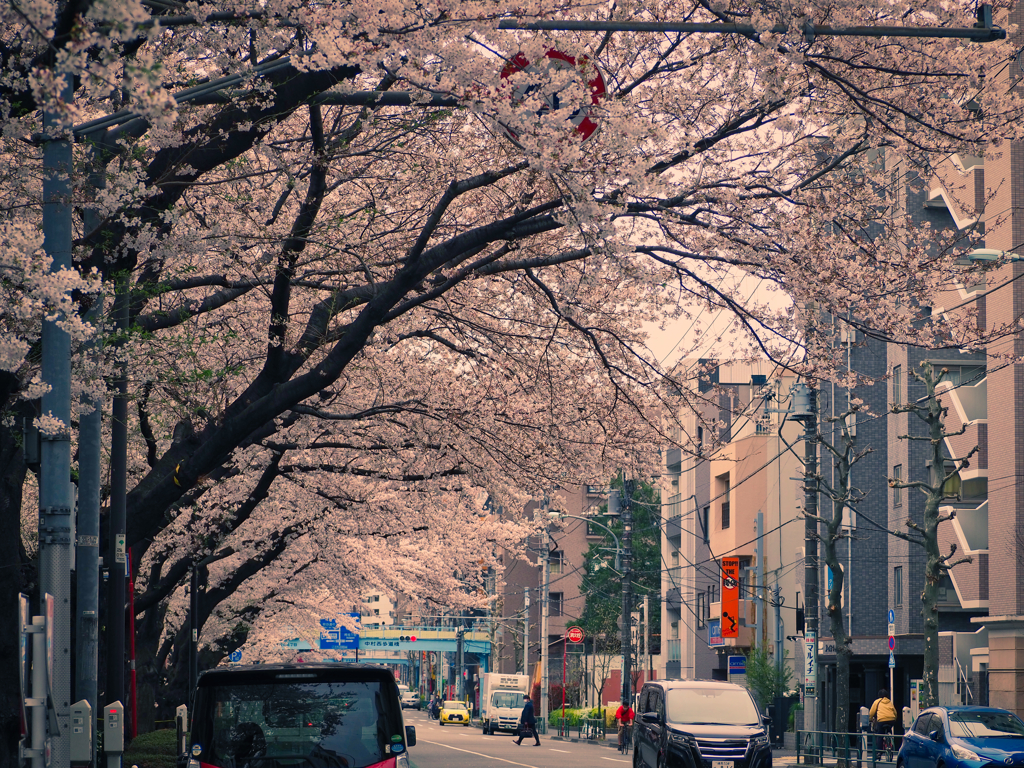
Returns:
<point x="328" y="715"/>
<point x="699" y="724"/>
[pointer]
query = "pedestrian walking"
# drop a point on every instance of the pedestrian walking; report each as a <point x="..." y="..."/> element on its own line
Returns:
<point x="528" y="723"/>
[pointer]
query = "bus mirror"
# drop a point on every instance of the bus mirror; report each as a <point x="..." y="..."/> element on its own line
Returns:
<point x="410" y="735"/>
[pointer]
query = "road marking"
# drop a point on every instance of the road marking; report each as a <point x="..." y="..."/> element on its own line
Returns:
<point x="614" y="760"/>
<point x="565" y="751"/>
<point x="479" y="754"/>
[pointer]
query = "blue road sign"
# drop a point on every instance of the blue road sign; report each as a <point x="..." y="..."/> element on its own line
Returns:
<point x="336" y="637"/>
<point x="235" y="656"/>
<point x="892" y="661"/>
<point x="892" y="616"/>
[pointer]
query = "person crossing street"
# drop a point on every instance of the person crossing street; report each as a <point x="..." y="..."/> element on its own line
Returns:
<point x="528" y="723"/>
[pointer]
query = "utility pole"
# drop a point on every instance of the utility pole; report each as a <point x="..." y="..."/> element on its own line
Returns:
<point x="56" y="521"/>
<point x="545" y="569"/>
<point x="647" y="638"/>
<point x="804" y="409"/>
<point x="757" y="575"/>
<point x="526" y="633"/>
<point x="627" y="588"/>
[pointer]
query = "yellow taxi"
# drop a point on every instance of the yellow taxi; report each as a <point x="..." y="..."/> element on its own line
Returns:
<point x="454" y="713"/>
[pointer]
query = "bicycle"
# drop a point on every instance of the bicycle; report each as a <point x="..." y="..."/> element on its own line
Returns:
<point x="625" y="731"/>
<point x="888" y="747"/>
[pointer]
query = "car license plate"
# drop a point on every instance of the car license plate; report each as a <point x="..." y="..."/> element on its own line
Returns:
<point x="721" y="764"/>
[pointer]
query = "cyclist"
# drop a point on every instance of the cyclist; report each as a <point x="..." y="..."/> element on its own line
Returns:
<point x="624" y="719"/>
<point x="882" y="713"/>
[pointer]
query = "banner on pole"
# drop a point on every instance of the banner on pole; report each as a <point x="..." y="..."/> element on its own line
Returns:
<point x="730" y="596"/>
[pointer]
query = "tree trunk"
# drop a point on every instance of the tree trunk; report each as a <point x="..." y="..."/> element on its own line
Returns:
<point x="16" y="577"/>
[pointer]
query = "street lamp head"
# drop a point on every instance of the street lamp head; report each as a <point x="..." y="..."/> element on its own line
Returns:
<point x="554" y="515"/>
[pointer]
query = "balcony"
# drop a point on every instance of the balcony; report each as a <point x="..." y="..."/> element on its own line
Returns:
<point x="674" y="527"/>
<point x="673" y="650"/>
<point x="673" y="599"/>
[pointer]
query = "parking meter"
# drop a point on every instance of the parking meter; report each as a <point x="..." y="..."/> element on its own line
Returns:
<point x="908" y="719"/>
<point x="865" y="718"/>
<point x="113" y="733"/>
<point x="81" y="733"/>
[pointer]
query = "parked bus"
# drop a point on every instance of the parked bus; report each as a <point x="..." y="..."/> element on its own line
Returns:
<point x="291" y="715"/>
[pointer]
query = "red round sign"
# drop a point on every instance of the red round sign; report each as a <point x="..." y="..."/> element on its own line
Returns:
<point x="580" y="119"/>
<point x="892" y="643"/>
<point x="574" y="635"/>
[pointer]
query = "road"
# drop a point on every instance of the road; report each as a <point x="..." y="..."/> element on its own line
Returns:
<point x="453" y="746"/>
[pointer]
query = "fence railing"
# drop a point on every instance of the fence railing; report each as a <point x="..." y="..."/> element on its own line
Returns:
<point x="866" y="750"/>
<point x="591" y="729"/>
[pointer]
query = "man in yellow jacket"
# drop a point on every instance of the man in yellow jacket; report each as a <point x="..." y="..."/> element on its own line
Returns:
<point x="883" y="713"/>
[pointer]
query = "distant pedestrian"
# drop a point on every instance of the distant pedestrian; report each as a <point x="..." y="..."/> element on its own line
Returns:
<point x="883" y="713"/>
<point x="528" y="723"/>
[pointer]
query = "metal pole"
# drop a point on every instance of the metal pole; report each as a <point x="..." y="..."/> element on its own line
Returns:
<point x="544" y="610"/>
<point x="38" y="711"/>
<point x="526" y="634"/>
<point x="757" y="575"/>
<point x="627" y="589"/>
<point x="88" y="551"/>
<point x="55" y="491"/>
<point x="811" y="552"/>
<point x="116" y="561"/>
<point x="647" y="639"/>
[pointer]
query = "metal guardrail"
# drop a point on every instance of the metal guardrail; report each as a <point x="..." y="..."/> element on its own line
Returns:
<point x="590" y="729"/>
<point x="866" y="750"/>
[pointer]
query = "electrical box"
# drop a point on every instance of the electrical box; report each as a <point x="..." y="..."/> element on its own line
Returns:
<point x="113" y="727"/>
<point x="181" y="727"/>
<point x="81" y="732"/>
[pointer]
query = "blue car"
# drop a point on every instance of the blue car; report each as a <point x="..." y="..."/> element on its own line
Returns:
<point x="963" y="737"/>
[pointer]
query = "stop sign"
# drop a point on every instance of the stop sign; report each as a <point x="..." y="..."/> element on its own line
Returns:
<point x="575" y="634"/>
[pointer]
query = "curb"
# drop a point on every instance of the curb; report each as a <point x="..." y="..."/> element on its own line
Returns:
<point x="592" y="742"/>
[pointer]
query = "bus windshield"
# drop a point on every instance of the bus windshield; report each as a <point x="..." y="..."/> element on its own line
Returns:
<point x="282" y="723"/>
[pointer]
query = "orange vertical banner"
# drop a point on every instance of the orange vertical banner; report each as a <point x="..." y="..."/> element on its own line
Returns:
<point x="730" y="596"/>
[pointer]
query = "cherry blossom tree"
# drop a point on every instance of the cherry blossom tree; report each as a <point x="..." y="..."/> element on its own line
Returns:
<point x="352" y="322"/>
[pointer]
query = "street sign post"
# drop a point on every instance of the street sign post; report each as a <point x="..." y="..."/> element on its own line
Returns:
<point x="892" y="647"/>
<point x="575" y="634"/>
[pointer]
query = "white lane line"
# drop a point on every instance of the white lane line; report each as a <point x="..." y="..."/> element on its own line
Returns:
<point x="614" y="760"/>
<point x="565" y="751"/>
<point x="478" y="754"/>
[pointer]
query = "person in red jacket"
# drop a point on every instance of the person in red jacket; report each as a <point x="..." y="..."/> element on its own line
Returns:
<point x="624" y="718"/>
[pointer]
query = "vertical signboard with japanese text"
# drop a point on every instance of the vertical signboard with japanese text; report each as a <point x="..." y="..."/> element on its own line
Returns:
<point x="730" y="596"/>
<point x="810" y="663"/>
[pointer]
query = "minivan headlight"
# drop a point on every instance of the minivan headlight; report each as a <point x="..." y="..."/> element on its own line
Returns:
<point x="963" y="753"/>
<point x="682" y="739"/>
<point x="759" y="741"/>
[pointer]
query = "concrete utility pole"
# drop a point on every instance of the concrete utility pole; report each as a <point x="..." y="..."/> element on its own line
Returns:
<point x="805" y="410"/>
<point x="56" y="501"/>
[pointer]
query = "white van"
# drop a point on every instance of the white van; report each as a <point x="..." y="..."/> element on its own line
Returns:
<point x="410" y="699"/>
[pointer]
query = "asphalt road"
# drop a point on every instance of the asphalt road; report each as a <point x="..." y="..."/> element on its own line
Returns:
<point x="456" y="746"/>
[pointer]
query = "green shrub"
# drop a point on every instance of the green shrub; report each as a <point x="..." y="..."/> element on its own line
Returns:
<point x="152" y="750"/>
<point x="791" y="725"/>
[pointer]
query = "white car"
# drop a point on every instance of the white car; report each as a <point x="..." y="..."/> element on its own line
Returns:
<point x="410" y="699"/>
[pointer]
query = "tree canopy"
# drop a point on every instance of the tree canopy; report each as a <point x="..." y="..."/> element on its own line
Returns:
<point x="350" y="322"/>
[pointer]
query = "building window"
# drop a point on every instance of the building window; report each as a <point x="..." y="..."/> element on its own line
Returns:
<point x="555" y="562"/>
<point x="726" y="515"/>
<point x="897" y="384"/>
<point x="897" y="585"/>
<point x="897" y="492"/>
<point x="555" y="603"/>
<point x="705" y="523"/>
<point x="594" y="530"/>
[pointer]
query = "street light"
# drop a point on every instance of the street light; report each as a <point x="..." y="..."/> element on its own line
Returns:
<point x="618" y="547"/>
